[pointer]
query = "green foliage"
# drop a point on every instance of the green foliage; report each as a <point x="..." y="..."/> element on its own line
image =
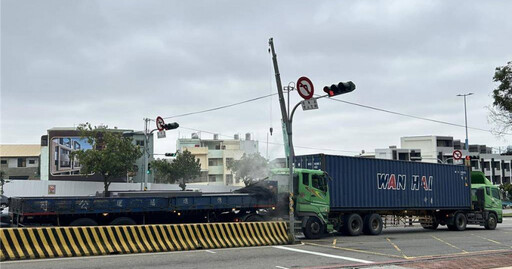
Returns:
<point x="163" y="171"/>
<point x="503" y="94"/>
<point x="182" y="169"/>
<point x="501" y="113"/>
<point x="507" y="188"/>
<point x="249" y="168"/>
<point x="112" y="155"/>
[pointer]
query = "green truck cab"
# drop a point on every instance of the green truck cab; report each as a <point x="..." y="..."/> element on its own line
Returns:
<point x="486" y="197"/>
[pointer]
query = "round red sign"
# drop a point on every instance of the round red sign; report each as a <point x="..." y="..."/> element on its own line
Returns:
<point x="305" y="87"/>
<point x="457" y="154"/>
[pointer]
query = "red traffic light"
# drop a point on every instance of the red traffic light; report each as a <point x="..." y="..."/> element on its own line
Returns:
<point x="340" y="88"/>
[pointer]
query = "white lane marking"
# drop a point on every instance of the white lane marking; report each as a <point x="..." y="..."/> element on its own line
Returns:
<point x="209" y="251"/>
<point x="323" y="254"/>
<point x="280" y="267"/>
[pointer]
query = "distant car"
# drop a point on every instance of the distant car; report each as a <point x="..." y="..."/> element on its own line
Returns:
<point x="5" y="219"/>
<point x="4" y="202"/>
<point x="506" y="204"/>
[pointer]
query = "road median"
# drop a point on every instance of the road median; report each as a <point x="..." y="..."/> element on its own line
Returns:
<point x="53" y="242"/>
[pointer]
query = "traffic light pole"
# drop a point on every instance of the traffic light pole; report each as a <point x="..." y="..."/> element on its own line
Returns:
<point x="286" y="123"/>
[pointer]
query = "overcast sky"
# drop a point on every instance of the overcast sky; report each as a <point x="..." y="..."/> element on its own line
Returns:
<point x="117" y="62"/>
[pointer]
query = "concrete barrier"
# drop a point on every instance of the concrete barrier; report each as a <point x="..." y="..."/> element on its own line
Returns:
<point x="52" y="242"/>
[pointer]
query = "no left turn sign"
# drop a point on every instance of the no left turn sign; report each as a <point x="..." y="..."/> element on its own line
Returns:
<point x="305" y="88"/>
<point x="160" y="123"/>
<point x="457" y="154"/>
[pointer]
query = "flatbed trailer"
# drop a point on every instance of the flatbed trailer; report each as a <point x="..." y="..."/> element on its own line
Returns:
<point x="139" y="208"/>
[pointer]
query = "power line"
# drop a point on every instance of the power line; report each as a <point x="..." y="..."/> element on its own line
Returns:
<point x="338" y="100"/>
<point x="407" y="115"/>
<point x="221" y="107"/>
<point x="273" y="143"/>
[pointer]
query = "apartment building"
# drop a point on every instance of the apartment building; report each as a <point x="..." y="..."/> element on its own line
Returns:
<point x="214" y="155"/>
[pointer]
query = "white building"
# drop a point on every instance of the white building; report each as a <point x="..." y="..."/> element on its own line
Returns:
<point x="394" y="153"/>
<point x="439" y="149"/>
<point x="214" y="155"/>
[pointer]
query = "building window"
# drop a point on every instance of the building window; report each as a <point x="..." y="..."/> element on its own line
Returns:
<point x="4" y="161"/>
<point x="139" y="143"/>
<point x="31" y="161"/>
<point x="22" y="162"/>
<point x="18" y="177"/>
<point x="229" y="179"/>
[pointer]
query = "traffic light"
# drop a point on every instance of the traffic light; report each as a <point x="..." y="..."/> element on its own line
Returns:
<point x="340" y="88"/>
<point x="170" y="126"/>
<point x="149" y="169"/>
<point x="170" y="154"/>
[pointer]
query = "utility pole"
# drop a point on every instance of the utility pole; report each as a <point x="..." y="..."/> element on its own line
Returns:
<point x="288" y="143"/>
<point x="466" y="117"/>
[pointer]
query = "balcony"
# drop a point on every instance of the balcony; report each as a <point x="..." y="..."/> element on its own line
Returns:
<point x="215" y="153"/>
<point x="216" y="170"/>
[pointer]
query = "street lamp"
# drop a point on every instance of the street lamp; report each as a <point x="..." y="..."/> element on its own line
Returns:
<point x="466" y="116"/>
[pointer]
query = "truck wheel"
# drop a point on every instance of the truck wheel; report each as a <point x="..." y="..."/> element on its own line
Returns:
<point x="430" y="226"/>
<point x="253" y="218"/>
<point x="83" y="222"/>
<point x="491" y="222"/>
<point x="352" y="224"/>
<point x="460" y="222"/>
<point x="123" y="221"/>
<point x="314" y="228"/>
<point x="372" y="224"/>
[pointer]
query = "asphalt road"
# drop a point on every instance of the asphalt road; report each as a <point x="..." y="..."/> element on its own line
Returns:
<point x="394" y="244"/>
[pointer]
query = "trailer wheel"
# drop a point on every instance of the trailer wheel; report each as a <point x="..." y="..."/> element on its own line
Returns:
<point x="123" y="221"/>
<point x="491" y="222"/>
<point x="253" y="218"/>
<point x="372" y="224"/>
<point x="314" y="228"/>
<point x="352" y="224"/>
<point x="83" y="222"/>
<point x="430" y="226"/>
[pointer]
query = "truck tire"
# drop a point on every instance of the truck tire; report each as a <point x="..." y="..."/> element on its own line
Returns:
<point x="253" y="218"/>
<point x="430" y="226"/>
<point x="491" y="222"/>
<point x="123" y="221"/>
<point x="84" y="222"/>
<point x="352" y="224"/>
<point x="314" y="228"/>
<point x="372" y="224"/>
<point x="459" y="222"/>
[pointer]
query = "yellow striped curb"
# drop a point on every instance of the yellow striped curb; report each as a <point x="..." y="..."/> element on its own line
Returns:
<point x="52" y="242"/>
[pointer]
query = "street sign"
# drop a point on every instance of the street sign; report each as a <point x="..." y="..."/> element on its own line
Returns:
<point x="309" y="104"/>
<point x="160" y="123"/>
<point x="305" y="88"/>
<point x="457" y="154"/>
<point x="161" y="134"/>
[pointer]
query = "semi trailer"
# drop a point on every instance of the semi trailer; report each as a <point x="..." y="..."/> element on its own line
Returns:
<point x="351" y="195"/>
<point x="355" y="195"/>
<point x="144" y="207"/>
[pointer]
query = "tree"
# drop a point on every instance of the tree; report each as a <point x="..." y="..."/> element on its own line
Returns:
<point x="507" y="189"/>
<point x="501" y="112"/>
<point x="163" y="171"/>
<point x="112" y="155"/>
<point x="185" y="167"/>
<point x="249" y="168"/>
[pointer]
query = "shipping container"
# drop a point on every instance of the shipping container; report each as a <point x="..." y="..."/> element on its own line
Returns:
<point x="378" y="184"/>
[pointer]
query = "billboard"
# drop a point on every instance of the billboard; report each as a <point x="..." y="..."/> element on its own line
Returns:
<point x="61" y="143"/>
<point x="61" y="162"/>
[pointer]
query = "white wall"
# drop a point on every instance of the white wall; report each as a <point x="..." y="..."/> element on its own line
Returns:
<point x="24" y="188"/>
